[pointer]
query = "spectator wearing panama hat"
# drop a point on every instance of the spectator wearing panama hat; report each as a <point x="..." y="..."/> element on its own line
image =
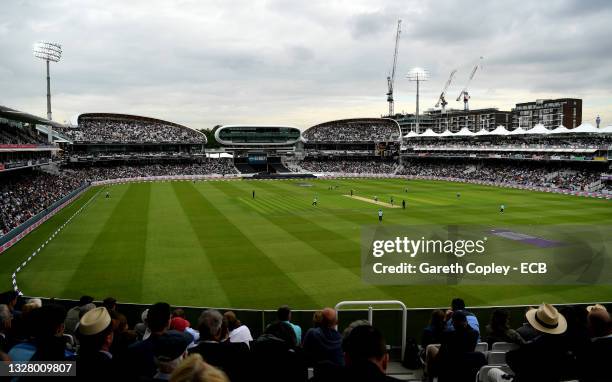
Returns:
<point x="95" y="333"/>
<point x="595" y="307"/>
<point x="546" y="357"/>
<point x="547" y="319"/>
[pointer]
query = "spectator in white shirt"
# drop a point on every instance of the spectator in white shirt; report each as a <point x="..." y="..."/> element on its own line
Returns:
<point x="237" y="331"/>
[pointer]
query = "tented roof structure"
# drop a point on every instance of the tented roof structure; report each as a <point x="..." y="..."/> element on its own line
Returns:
<point x="429" y="133"/>
<point x="500" y="130"/>
<point x="464" y="132"/>
<point x="560" y="130"/>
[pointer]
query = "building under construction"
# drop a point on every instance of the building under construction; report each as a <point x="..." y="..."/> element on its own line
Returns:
<point x="550" y="113"/>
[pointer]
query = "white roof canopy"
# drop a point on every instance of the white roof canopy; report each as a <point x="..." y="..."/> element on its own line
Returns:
<point x="538" y="129"/>
<point x="429" y="133"/>
<point x="464" y="132"/>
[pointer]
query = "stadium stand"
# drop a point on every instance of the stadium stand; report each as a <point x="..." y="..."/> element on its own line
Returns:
<point x="24" y="141"/>
<point x="516" y="142"/>
<point x="352" y="146"/>
<point x="569" y="343"/>
<point x="533" y="174"/>
<point x="574" y="160"/>
<point x="23" y="195"/>
<point x="206" y="166"/>
<point x="112" y="146"/>
<point x="18" y="134"/>
<point x="120" y="128"/>
<point x="354" y="130"/>
<point x="348" y="165"/>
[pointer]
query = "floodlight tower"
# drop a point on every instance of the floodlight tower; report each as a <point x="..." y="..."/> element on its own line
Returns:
<point x="417" y="75"/>
<point x="48" y="51"/>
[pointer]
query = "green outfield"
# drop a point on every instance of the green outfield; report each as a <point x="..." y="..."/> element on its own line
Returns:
<point x="211" y="244"/>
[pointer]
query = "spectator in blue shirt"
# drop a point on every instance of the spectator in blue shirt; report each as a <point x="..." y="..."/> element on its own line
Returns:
<point x="284" y="315"/>
<point x="456" y="305"/>
<point x="324" y="343"/>
<point x="47" y="342"/>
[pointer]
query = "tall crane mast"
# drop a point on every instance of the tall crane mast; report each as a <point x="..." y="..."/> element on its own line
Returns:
<point x="442" y="100"/>
<point x="464" y="93"/>
<point x="391" y="77"/>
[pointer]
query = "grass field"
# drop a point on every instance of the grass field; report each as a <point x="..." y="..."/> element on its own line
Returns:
<point x="211" y="244"/>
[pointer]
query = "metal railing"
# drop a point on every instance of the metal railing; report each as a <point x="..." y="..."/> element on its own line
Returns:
<point x="369" y="303"/>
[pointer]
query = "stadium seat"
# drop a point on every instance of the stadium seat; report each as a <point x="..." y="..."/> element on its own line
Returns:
<point x="482" y="347"/>
<point x="496" y="358"/>
<point x="70" y="341"/>
<point x="481" y="376"/>
<point x="503" y="346"/>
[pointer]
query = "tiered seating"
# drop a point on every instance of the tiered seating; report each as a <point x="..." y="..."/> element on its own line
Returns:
<point x="348" y="166"/>
<point x="127" y="129"/>
<point x="12" y="134"/>
<point x="526" y="174"/>
<point x="354" y="130"/>
<point x="22" y="196"/>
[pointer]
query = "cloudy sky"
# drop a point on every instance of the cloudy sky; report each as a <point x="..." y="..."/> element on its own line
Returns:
<point x="203" y="63"/>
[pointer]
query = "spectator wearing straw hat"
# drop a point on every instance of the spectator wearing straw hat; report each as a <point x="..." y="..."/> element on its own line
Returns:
<point x="590" y="308"/>
<point x="95" y="333"/>
<point x="546" y="357"/>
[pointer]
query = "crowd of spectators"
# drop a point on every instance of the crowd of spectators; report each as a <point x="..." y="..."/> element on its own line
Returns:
<point x="129" y="155"/>
<point x="348" y="166"/>
<point x="111" y="130"/>
<point x="23" y="195"/>
<point x="532" y="175"/>
<point x="572" y="343"/>
<point x="220" y="166"/>
<point x="165" y="345"/>
<point x="13" y="134"/>
<point x="493" y="143"/>
<point x="354" y="131"/>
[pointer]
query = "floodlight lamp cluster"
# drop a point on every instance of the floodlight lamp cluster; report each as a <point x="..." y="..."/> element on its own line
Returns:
<point x="49" y="51"/>
<point x="418" y="74"/>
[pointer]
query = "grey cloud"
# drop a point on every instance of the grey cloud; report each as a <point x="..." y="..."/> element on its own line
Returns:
<point x="371" y="24"/>
<point x="281" y="61"/>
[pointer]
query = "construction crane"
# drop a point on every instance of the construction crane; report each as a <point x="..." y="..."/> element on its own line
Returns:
<point x="442" y="100"/>
<point x="464" y="93"/>
<point x="391" y="77"/>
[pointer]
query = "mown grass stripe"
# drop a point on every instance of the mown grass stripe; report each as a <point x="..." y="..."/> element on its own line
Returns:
<point x="104" y="269"/>
<point x="227" y="250"/>
<point x="173" y="248"/>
